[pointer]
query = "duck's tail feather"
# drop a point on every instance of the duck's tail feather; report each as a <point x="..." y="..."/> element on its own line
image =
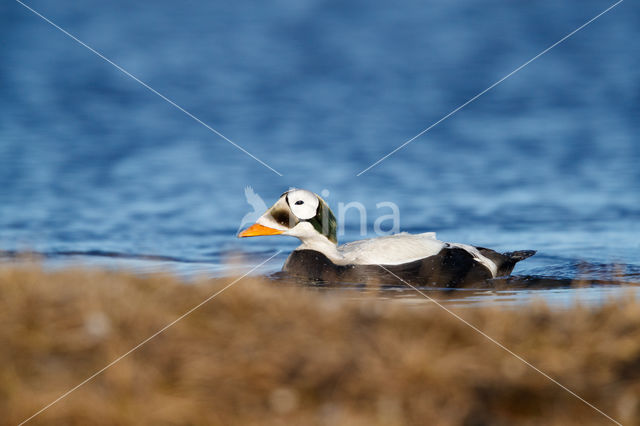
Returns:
<point x="505" y="262"/>
<point x="519" y="255"/>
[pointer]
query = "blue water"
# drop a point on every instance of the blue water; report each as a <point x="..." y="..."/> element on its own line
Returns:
<point x="93" y="163"/>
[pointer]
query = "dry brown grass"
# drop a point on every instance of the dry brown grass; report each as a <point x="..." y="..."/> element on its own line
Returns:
<point x="267" y="354"/>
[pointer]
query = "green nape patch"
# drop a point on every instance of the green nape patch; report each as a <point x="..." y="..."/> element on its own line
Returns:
<point x="325" y="222"/>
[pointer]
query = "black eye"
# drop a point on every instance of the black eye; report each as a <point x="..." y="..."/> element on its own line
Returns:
<point x="297" y="203"/>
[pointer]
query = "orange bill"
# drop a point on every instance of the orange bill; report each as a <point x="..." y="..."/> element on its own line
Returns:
<point x="256" y="230"/>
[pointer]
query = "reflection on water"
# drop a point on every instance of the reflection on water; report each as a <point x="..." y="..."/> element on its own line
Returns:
<point x="500" y="293"/>
<point x="556" y="298"/>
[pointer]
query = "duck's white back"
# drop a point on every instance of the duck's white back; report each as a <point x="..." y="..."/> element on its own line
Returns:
<point x="391" y="250"/>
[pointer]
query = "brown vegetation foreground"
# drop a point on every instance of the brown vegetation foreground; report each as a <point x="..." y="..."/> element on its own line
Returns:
<point x="261" y="353"/>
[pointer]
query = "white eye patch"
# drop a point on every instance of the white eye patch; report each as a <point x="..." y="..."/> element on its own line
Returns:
<point x="303" y="203"/>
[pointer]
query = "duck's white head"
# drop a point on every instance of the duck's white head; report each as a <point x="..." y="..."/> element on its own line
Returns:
<point x="298" y="213"/>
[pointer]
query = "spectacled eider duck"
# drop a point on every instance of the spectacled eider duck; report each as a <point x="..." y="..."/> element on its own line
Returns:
<point x="419" y="259"/>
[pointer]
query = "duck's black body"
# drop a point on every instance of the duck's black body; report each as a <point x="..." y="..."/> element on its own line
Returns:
<point x="451" y="267"/>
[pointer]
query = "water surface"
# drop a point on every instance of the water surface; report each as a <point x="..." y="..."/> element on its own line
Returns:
<point x="96" y="169"/>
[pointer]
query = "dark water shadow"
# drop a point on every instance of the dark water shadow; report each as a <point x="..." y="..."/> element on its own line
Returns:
<point x="513" y="282"/>
<point x="504" y="292"/>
